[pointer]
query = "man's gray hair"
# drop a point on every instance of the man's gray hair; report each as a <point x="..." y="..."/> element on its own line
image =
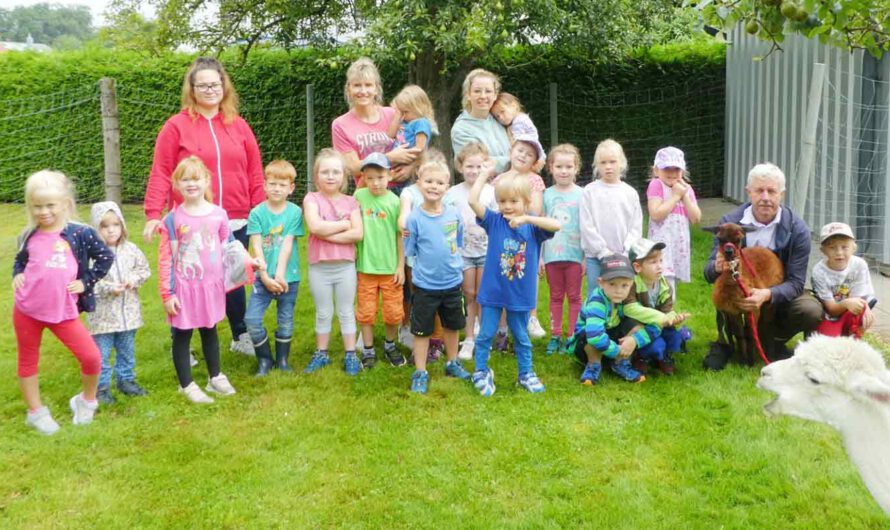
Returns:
<point x="767" y="171"/>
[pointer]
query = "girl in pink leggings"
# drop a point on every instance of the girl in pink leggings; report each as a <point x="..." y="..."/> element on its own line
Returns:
<point x="53" y="282"/>
<point x="563" y="256"/>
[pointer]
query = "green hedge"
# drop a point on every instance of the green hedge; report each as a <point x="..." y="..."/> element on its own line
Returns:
<point x="49" y="107"/>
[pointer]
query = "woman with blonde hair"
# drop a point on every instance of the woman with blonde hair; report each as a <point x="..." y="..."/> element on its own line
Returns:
<point x="209" y="127"/>
<point x="476" y="124"/>
<point x="364" y="128"/>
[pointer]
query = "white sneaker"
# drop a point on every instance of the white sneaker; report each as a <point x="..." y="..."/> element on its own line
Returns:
<point x="467" y="347"/>
<point x="42" y="420"/>
<point x="194" y="394"/>
<point x="192" y="361"/>
<point x="220" y="385"/>
<point x="405" y="337"/>
<point x="83" y="411"/>
<point x="243" y="345"/>
<point x="535" y="330"/>
<point x="476" y="327"/>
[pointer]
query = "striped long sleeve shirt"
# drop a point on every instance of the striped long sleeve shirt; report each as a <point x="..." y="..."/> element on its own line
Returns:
<point x="599" y="315"/>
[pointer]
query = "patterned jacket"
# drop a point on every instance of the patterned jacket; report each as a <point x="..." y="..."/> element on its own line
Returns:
<point x="120" y="312"/>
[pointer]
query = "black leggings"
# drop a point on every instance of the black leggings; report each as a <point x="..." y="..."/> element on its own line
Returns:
<point x="181" y="359"/>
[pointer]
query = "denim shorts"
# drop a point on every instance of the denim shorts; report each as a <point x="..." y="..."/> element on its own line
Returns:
<point x="473" y="263"/>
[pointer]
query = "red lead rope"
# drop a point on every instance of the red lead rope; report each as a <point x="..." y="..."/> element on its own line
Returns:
<point x="738" y="279"/>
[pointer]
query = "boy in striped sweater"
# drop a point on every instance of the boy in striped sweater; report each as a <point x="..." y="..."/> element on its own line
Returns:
<point x="604" y="330"/>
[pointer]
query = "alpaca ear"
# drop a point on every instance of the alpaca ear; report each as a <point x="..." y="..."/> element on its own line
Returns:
<point x="871" y="388"/>
<point x="748" y="228"/>
<point x="711" y="229"/>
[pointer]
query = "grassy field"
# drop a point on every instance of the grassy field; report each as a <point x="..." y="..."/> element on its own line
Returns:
<point x="692" y="451"/>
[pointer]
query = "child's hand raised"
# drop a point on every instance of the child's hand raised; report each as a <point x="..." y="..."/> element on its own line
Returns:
<point x="172" y="306"/>
<point x="18" y="281"/>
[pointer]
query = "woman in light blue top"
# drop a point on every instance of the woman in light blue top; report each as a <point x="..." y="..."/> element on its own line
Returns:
<point x="476" y="124"/>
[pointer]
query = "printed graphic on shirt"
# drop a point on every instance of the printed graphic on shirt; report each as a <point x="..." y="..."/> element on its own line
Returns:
<point x="450" y="229"/>
<point x="841" y="292"/>
<point x="569" y="236"/>
<point x="372" y="141"/>
<point x="274" y="239"/>
<point x="57" y="260"/>
<point x="513" y="259"/>
<point x="188" y="253"/>
<point x="374" y="213"/>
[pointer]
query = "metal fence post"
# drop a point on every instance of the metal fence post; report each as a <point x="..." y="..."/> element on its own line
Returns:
<point x="111" y="140"/>
<point x="554" y="121"/>
<point x="808" y="144"/>
<point x="310" y="137"/>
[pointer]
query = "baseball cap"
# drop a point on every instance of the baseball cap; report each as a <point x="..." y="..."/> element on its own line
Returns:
<point x="376" y="159"/>
<point x="616" y="266"/>
<point x="835" y="229"/>
<point x="534" y="142"/>
<point x="643" y="247"/>
<point x="670" y="157"/>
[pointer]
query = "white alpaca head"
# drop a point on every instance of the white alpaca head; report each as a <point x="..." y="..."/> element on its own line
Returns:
<point x="825" y="378"/>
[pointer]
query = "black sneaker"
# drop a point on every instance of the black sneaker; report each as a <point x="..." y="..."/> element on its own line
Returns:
<point x="394" y="356"/>
<point x="717" y="357"/>
<point x="103" y="395"/>
<point x="131" y="388"/>
<point x="369" y="359"/>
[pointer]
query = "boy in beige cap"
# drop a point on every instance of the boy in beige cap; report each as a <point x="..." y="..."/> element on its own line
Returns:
<point x="842" y="283"/>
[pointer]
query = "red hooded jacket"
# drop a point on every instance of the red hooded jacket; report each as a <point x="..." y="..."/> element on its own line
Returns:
<point x="229" y="151"/>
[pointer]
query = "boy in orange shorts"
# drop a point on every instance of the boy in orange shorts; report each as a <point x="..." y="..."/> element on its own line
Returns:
<point x="381" y="260"/>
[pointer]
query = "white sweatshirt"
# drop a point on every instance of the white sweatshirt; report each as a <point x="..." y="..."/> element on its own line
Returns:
<point x="611" y="219"/>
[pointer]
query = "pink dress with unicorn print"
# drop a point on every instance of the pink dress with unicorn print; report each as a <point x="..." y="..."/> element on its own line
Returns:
<point x="190" y="266"/>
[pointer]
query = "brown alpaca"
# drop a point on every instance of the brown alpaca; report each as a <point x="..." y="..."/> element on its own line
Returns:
<point x="768" y="271"/>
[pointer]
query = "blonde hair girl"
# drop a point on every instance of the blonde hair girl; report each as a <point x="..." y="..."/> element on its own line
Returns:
<point x="335" y="225"/>
<point x="611" y="216"/>
<point x="191" y="278"/>
<point x="54" y="272"/>
<point x="414" y="122"/>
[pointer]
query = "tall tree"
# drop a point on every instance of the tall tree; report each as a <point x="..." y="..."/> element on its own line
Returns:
<point x="846" y="23"/>
<point x="439" y="41"/>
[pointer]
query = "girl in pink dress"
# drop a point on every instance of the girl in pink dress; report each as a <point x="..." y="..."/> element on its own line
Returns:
<point x="191" y="276"/>
<point x="672" y="207"/>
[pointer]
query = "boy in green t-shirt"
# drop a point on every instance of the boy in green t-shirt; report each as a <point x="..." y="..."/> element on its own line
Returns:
<point x="272" y="227"/>
<point x="381" y="260"/>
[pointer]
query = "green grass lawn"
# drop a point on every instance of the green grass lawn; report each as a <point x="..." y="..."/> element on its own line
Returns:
<point x="692" y="451"/>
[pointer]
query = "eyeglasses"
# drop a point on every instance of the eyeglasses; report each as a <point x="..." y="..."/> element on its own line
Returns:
<point x="208" y="87"/>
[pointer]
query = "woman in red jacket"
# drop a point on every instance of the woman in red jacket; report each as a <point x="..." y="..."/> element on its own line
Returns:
<point x="210" y="128"/>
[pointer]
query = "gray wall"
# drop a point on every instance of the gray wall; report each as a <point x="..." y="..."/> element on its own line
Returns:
<point x="766" y="105"/>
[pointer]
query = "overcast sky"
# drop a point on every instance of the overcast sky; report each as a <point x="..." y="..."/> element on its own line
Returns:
<point x="96" y="6"/>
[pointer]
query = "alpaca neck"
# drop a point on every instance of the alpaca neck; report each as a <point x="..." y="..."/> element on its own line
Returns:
<point x="866" y="434"/>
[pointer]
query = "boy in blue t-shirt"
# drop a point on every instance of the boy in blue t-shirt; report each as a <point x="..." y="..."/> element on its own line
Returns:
<point x="272" y="227"/>
<point x="435" y="235"/>
<point x="510" y="275"/>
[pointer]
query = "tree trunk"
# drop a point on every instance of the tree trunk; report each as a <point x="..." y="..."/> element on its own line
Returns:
<point x="444" y="91"/>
